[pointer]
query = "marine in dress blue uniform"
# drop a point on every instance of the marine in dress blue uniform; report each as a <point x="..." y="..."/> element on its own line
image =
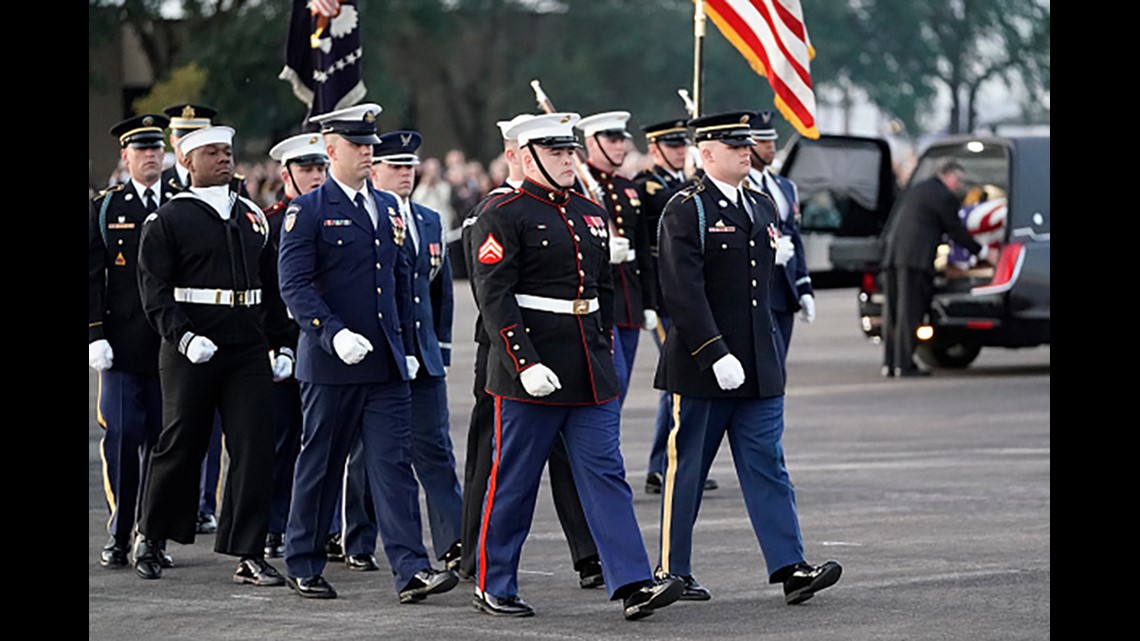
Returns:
<point x="304" y="167"/>
<point x="394" y="159"/>
<point x="123" y="347"/>
<point x="347" y="282"/>
<point x="721" y="361"/>
<point x="791" y="283"/>
<point x="543" y="284"/>
<point x="635" y="291"/>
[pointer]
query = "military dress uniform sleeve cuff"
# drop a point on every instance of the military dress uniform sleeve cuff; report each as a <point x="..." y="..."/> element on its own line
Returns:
<point x="803" y="286"/>
<point x="710" y="352"/>
<point x="184" y="342"/>
<point x="95" y="331"/>
<point x="287" y="351"/>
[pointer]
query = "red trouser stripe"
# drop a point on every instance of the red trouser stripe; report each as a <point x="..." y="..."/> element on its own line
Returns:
<point x="491" y="483"/>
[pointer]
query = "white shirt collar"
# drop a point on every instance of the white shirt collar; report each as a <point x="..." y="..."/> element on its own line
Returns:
<point x="728" y="190"/>
<point x="140" y="189"/>
<point x="217" y="197"/>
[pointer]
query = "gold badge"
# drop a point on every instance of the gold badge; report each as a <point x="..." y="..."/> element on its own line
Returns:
<point x="565" y="119"/>
<point x="653" y="187"/>
<point x="119" y="260"/>
<point x="188" y="111"/>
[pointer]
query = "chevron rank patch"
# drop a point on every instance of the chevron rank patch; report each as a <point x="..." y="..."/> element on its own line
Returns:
<point x="490" y="252"/>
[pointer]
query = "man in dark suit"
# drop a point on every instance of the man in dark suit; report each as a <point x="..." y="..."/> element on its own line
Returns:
<point x="721" y="362"/>
<point x="929" y="210"/>
<point x="122" y="346"/>
<point x="347" y="281"/>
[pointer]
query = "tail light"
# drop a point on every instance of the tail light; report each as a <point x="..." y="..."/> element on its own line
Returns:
<point x="1006" y="271"/>
<point x="868" y="283"/>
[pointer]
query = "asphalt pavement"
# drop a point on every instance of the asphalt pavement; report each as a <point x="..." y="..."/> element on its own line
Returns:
<point x="933" y="493"/>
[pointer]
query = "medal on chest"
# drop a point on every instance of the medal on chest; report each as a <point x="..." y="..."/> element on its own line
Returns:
<point x="596" y="226"/>
<point x="435" y="251"/>
<point x="399" y="231"/>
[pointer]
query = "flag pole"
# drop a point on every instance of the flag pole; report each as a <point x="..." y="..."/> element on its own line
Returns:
<point x="698" y="45"/>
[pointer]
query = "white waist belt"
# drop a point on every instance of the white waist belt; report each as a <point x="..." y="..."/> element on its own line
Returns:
<point x="577" y="306"/>
<point x="229" y="297"/>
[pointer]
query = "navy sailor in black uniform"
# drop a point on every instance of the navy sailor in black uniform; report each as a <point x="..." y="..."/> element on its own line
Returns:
<point x="544" y="286"/>
<point x="722" y="361"/>
<point x="207" y="281"/>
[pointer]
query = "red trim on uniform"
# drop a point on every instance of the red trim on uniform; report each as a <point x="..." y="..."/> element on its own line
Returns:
<point x="512" y="197"/>
<point x="492" y="481"/>
<point x="274" y="208"/>
<point x="507" y="342"/>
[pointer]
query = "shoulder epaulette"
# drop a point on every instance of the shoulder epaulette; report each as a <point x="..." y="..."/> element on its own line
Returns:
<point x="689" y="191"/>
<point x="110" y="190"/>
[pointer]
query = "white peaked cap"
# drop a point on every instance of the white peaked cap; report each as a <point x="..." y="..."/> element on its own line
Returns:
<point x="206" y="136"/>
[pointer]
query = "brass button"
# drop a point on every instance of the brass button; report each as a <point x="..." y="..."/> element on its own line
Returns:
<point x="751" y="243"/>
<point x="570" y="222"/>
<point x="377" y="242"/>
<point x="515" y="347"/>
<point x="339" y="241"/>
<point x="724" y="245"/>
<point x="619" y="220"/>
<point x="381" y="315"/>
<point x="417" y="324"/>
<point x="417" y="299"/>
<point x="753" y="282"/>
<point x="522" y="361"/>
<point x="379" y="290"/>
<point x="753" y="263"/>
<point x="754" y="302"/>
<point x="545" y="242"/>
<point x="377" y="265"/>
<point x="510" y="334"/>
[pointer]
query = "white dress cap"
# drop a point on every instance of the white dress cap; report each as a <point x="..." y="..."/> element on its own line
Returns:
<point x="206" y="136"/>
<point x="607" y="121"/>
<point x="505" y="125"/>
<point x="555" y="129"/>
<point x="310" y="144"/>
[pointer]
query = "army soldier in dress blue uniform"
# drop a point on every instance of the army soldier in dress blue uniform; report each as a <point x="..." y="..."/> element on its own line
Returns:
<point x="791" y="283"/>
<point x="721" y="360"/>
<point x="543" y="284"/>
<point x="304" y="167"/>
<point x="668" y="144"/>
<point x="207" y="281"/>
<point x="477" y="467"/>
<point x="393" y="171"/>
<point x="122" y="347"/>
<point x="346" y="278"/>
<point x="635" y="291"/>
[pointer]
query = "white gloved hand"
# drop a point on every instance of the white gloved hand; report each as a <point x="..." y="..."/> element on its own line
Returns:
<point x="784" y="250"/>
<point x="539" y="380"/>
<point x="281" y="365"/>
<point x="807" y="308"/>
<point x="100" y="355"/>
<point x="200" y="350"/>
<point x="650" y="319"/>
<point x="413" y="366"/>
<point x="729" y="372"/>
<point x="619" y="249"/>
<point x="350" y="346"/>
<point x="631" y="255"/>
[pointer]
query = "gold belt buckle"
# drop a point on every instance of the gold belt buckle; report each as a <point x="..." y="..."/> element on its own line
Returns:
<point x="239" y="298"/>
<point x="580" y="307"/>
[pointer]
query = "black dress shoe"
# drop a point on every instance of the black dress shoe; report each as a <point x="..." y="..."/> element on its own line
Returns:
<point x="114" y="554"/>
<point x="711" y="484"/>
<point x="653" y="483"/>
<point x="496" y="607"/>
<point x="653" y="596"/>
<point x="146" y="561"/>
<point x="451" y="558"/>
<point x="428" y="581"/>
<point x="164" y="557"/>
<point x="806" y="579"/>
<point x="256" y="571"/>
<point x="361" y="562"/>
<point x="887" y="371"/>
<point x="313" y="587"/>
<point x="590" y="574"/>
<point x="694" y="591"/>
<point x="333" y="549"/>
<point x="274" y="545"/>
<point x="207" y="524"/>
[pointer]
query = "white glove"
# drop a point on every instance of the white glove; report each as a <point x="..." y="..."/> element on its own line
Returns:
<point x="539" y="380"/>
<point x="729" y="372"/>
<point x="784" y="250"/>
<point x="100" y="355"/>
<point x="413" y="366"/>
<point x="631" y="255"/>
<point x="650" y="320"/>
<point x="281" y="365"/>
<point x="350" y="346"/>
<point x="807" y="308"/>
<point x="619" y="249"/>
<point x="200" y="350"/>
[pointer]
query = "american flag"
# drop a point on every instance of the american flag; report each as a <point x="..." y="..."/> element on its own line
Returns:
<point x="322" y="55"/>
<point x="771" y="35"/>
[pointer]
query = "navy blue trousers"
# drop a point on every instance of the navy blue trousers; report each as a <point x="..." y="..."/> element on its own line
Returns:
<point x="130" y="412"/>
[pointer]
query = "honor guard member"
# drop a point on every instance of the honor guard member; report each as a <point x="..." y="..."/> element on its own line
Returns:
<point x="393" y="170"/>
<point x="304" y="167"/>
<point x="635" y="291"/>
<point x="668" y="144"/>
<point x="347" y="281"/>
<point x="791" y="283"/>
<point x="721" y="360"/>
<point x="207" y="282"/>
<point x="185" y="118"/>
<point x="543" y="284"/>
<point x="477" y="470"/>
<point x="122" y="347"/>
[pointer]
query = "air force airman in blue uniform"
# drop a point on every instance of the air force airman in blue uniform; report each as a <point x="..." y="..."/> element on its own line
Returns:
<point x="346" y="279"/>
<point x="544" y="286"/>
<point x="722" y="363"/>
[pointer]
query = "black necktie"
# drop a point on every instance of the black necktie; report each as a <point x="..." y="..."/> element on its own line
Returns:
<point x="764" y="184"/>
<point x="148" y="196"/>
<point x="360" y="205"/>
<point x="743" y="203"/>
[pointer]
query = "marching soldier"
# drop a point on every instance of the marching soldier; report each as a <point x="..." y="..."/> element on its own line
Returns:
<point x="721" y="360"/>
<point x="477" y="470"/>
<point x="668" y="144"/>
<point x="304" y="167"/>
<point x="347" y="281"/>
<point x="543" y="284"/>
<point x="122" y="347"/>
<point x="208" y="283"/>
<point x="791" y="283"/>
<point x="635" y="290"/>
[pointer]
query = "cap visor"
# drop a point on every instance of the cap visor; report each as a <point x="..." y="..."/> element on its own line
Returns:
<point x="362" y="139"/>
<point x="738" y="142"/>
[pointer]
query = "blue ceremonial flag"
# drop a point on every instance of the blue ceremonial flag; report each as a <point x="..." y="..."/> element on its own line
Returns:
<point x="322" y="55"/>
